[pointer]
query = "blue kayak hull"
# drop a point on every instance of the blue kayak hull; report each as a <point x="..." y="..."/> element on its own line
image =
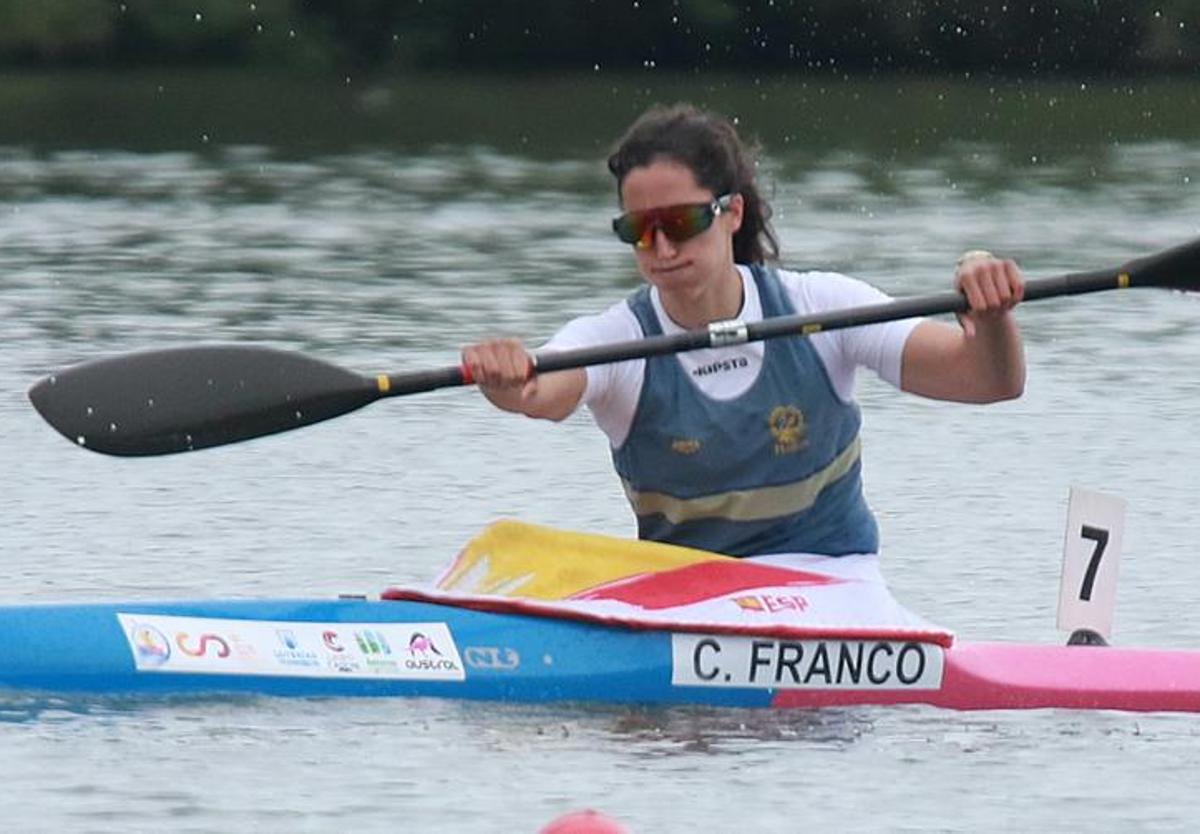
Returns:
<point x="87" y="649"/>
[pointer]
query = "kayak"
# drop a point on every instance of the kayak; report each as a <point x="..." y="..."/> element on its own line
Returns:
<point x="532" y="614"/>
<point x="526" y="613"/>
<point x="377" y="647"/>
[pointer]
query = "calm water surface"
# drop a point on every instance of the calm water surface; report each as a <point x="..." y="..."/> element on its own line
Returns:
<point x="387" y="256"/>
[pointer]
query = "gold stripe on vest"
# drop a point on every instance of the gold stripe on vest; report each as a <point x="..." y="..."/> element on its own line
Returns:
<point x="746" y="504"/>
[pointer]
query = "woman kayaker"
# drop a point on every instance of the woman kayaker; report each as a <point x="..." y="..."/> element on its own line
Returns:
<point x="752" y="449"/>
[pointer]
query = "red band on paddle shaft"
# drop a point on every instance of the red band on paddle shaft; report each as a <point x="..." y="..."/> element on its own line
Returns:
<point x="468" y="378"/>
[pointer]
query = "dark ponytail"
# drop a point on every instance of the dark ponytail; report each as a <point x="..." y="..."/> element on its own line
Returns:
<point x="709" y="145"/>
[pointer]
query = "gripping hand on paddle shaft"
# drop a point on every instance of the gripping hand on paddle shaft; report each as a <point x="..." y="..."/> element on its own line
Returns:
<point x="992" y="286"/>
<point x="983" y="360"/>
<point x="506" y="374"/>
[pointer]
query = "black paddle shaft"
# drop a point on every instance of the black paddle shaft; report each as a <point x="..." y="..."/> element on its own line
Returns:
<point x="1177" y="268"/>
<point x="161" y="402"/>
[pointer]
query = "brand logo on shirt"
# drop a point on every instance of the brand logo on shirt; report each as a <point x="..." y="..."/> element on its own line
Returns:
<point x="786" y="423"/>
<point x="721" y="365"/>
<point x="685" y="446"/>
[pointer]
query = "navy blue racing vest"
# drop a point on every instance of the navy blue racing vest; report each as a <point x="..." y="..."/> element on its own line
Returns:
<point x="775" y="470"/>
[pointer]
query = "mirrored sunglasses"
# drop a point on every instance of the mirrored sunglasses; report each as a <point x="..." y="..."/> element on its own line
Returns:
<point x="678" y="223"/>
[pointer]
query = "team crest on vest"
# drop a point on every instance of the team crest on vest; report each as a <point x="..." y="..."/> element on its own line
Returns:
<point x="787" y="426"/>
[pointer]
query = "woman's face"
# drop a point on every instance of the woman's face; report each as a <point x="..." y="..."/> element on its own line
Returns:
<point x="688" y="265"/>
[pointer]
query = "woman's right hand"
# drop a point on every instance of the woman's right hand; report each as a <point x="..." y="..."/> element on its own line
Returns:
<point x="498" y="363"/>
<point x="504" y="371"/>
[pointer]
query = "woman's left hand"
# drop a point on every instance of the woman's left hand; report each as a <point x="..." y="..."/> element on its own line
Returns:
<point x="992" y="285"/>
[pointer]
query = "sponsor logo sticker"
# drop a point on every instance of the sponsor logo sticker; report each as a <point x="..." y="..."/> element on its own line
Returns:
<point x="772" y="663"/>
<point x="150" y="646"/>
<point x="332" y="641"/>
<point x="399" y="651"/>
<point x="492" y="657"/>
<point x="203" y="646"/>
<point x="287" y="650"/>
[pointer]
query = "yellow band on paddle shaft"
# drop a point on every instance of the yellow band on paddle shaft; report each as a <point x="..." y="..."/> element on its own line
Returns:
<point x="383" y="383"/>
<point x="1123" y="281"/>
<point x="810" y="329"/>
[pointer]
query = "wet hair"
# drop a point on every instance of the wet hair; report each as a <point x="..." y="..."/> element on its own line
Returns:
<point x="708" y="144"/>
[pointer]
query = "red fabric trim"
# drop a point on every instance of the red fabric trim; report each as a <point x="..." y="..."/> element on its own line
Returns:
<point x="536" y="608"/>
<point x="702" y="580"/>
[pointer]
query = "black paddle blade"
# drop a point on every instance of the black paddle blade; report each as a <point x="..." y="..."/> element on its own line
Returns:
<point x="176" y="400"/>
<point x="1177" y="268"/>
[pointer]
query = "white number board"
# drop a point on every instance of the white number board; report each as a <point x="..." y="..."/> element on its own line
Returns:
<point x="1088" y="593"/>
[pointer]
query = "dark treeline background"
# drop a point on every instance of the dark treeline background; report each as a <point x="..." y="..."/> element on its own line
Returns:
<point x="854" y="36"/>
